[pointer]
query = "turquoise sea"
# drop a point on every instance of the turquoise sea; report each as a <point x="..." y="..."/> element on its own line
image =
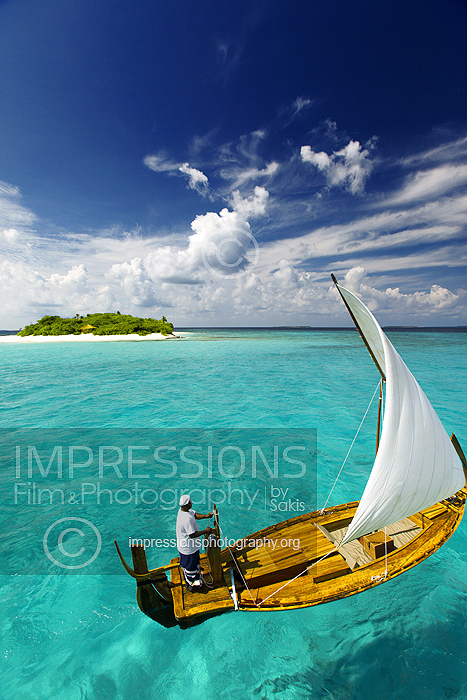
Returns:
<point x="78" y="634"/>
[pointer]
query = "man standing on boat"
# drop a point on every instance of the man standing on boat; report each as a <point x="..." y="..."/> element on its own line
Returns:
<point x="189" y="542"/>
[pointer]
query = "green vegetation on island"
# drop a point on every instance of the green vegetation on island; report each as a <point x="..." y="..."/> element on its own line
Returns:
<point x="98" y="324"/>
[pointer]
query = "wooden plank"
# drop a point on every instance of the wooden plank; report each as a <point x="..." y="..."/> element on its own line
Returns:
<point x="281" y="597"/>
<point x="277" y="576"/>
<point x="434" y="511"/>
<point x="255" y="559"/>
<point x="285" y="558"/>
<point x="319" y="548"/>
<point x="378" y="544"/>
<point x="403" y="531"/>
<point x="329" y="568"/>
<point x="267" y="560"/>
<point x="201" y="603"/>
<point x="265" y="557"/>
<point x="306" y="538"/>
<point x="177" y="590"/>
<point x="421" y="520"/>
<point x="332" y="523"/>
<point x="263" y="587"/>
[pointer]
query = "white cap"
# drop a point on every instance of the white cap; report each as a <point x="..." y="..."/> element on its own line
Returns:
<point x="184" y="500"/>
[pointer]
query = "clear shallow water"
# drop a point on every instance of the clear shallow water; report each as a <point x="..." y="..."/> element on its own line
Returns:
<point x="82" y="636"/>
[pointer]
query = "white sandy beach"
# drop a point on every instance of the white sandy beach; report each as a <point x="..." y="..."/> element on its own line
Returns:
<point x="85" y="338"/>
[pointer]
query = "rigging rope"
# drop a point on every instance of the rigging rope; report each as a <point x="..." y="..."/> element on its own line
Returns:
<point x="385" y="572"/>
<point x="236" y="565"/>
<point x="315" y="563"/>
<point x="385" y="553"/>
<point x="350" y="448"/>
<point x="258" y="605"/>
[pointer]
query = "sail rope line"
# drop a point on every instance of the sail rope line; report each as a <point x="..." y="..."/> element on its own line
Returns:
<point x="384" y="575"/>
<point x="258" y="605"/>
<point x="211" y="583"/>
<point x="315" y="563"/>
<point x="236" y="565"/>
<point x="322" y="511"/>
<point x="385" y="553"/>
<point x="350" y="448"/>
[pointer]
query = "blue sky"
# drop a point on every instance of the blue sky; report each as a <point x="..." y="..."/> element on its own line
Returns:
<point x="215" y="161"/>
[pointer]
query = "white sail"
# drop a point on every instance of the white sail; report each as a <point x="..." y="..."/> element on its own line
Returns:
<point x="416" y="465"/>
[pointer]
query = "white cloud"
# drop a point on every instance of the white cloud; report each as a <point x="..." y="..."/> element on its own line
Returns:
<point x="10" y="235"/>
<point x="141" y="273"/>
<point x="135" y="282"/>
<point x="241" y="175"/>
<point x="392" y="299"/>
<point x="171" y="263"/>
<point x="196" y="179"/>
<point x="160" y="163"/>
<point x="191" y="271"/>
<point x="219" y="247"/>
<point x="291" y="112"/>
<point x="449" y="257"/>
<point x="12" y="212"/>
<point x="429" y="184"/>
<point x="446" y="152"/>
<point x="75" y="277"/>
<point x="237" y="162"/>
<point x="28" y="295"/>
<point x="220" y="242"/>
<point x="249" y="143"/>
<point x="426" y="227"/>
<point x="301" y="103"/>
<point x="253" y="206"/>
<point x="240" y="161"/>
<point x="349" y="167"/>
<point x="193" y="279"/>
<point x="16" y="221"/>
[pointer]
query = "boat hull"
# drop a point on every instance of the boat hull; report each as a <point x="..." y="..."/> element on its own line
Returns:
<point x="312" y="569"/>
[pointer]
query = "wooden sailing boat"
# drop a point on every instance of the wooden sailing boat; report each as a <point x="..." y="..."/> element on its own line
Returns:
<point x="413" y="501"/>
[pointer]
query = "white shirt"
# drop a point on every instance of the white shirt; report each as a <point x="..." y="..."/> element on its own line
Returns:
<point x="186" y="526"/>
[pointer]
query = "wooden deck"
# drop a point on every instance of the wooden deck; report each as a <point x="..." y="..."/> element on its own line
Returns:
<point x="203" y="604"/>
<point x="298" y="563"/>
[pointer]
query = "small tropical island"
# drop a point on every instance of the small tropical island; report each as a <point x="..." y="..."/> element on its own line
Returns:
<point x="114" y="324"/>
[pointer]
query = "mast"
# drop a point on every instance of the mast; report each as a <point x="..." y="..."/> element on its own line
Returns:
<point x="380" y="402"/>
<point x="357" y="325"/>
<point x="213" y="550"/>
